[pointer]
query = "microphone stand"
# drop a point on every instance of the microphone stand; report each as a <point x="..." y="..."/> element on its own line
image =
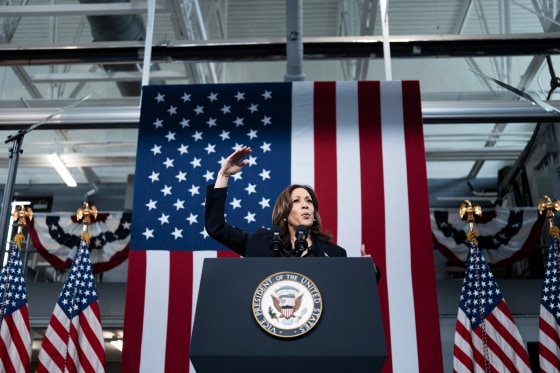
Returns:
<point x="15" y="151"/>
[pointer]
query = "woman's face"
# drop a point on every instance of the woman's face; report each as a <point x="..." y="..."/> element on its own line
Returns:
<point x="302" y="211"/>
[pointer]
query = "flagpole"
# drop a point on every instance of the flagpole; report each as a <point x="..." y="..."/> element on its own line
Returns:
<point x="467" y="211"/>
<point x="83" y="344"/>
<point x="13" y="244"/>
<point x="485" y="326"/>
<point x="548" y="319"/>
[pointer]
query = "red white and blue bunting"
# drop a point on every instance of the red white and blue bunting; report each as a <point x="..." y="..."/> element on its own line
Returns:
<point x="57" y="238"/>
<point x="505" y="236"/>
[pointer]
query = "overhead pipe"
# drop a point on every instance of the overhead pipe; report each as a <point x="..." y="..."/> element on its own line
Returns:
<point x="128" y="117"/>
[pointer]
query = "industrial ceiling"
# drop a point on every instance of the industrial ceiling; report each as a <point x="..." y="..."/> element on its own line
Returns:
<point x="71" y="72"/>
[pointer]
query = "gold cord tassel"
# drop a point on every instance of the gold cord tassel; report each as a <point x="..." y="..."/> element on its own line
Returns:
<point x="18" y="239"/>
<point x="554" y="232"/>
<point x="85" y="236"/>
<point x="472" y="234"/>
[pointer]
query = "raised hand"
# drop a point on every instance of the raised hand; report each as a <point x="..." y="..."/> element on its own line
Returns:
<point x="232" y="165"/>
<point x="235" y="162"/>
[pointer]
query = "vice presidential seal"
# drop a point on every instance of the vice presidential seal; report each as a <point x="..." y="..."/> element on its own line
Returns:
<point x="287" y="304"/>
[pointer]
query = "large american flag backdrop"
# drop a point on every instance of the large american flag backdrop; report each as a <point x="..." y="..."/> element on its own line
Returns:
<point x="359" y="144"/>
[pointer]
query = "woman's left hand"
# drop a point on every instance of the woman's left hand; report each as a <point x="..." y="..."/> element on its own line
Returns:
<point x="363" y="251"/>
<point x="365" y="255"/>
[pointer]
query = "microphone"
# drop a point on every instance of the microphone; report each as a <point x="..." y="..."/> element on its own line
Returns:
<point x="301" y="239"/>
<point x="276" y="241"/>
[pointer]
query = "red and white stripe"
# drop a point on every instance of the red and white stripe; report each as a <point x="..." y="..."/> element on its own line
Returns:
<point x="549" y="329"/>
<point x="361" y="146"/>
<point x="74" y="345"/>
<point x="15" y="343"/>
<point x="163" y="309"/>
<point x="494" y="346"/>
<point x="368" y="169"/>
<point x="549" y="342"/>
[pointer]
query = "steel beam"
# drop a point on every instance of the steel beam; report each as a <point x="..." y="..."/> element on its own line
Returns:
<point x="332" y="48"/>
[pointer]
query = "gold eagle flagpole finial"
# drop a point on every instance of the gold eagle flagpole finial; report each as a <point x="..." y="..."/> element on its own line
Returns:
<point x="549" y="205"/>
<point x="467" y="211"/>
<point x="19" y="215"/>
<point x="84" y="214"/>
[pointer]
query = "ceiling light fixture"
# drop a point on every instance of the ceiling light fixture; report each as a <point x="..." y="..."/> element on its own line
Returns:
<point x="62" y="170"/>
<point x="117" y="343"/>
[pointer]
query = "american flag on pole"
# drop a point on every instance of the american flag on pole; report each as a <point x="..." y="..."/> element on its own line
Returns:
<point x="486" y="337"/>
<point x="549" y="321"/>
<point x="74" y="341"/>
<point x="359" y="144"/>
<point x="15" y="342"/>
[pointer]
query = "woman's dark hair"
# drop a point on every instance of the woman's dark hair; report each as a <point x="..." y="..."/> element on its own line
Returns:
<point x="282" y="209"/>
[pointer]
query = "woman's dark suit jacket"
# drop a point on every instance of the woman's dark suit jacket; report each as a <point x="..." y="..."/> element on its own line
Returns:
<point x="240" y="241"/>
